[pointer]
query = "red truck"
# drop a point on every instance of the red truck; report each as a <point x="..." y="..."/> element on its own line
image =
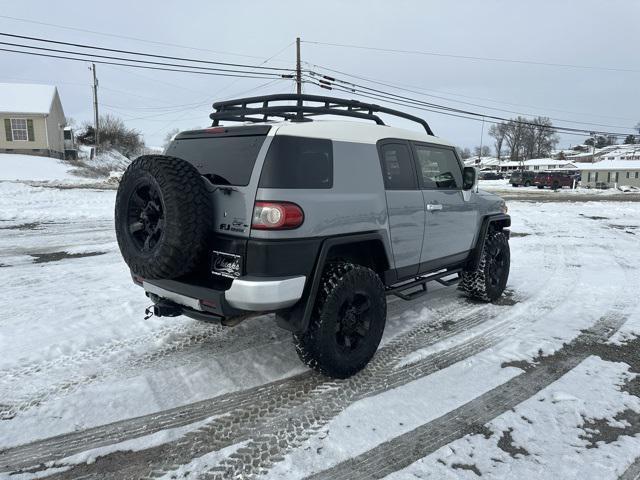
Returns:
<point x="555" y="180"/>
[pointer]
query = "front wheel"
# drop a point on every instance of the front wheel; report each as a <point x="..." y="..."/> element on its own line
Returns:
<point x="527" y="183"/>
<point x="489" y="279"/>
<point x="347" y="323"/>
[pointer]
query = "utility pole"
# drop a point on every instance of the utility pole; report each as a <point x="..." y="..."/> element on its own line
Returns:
<point x="95" y="106"/>
<point x="298" y="67"/>
<point x="481" y="137"/>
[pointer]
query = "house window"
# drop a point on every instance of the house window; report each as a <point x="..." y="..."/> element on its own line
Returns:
<point x="616" y="174"/>
<point x="19" y="129"/>
<point x="588" y="176"/>
<point x="636" y="174"/>
<point x="608" y="177"/>
<point x="627" y="174"/>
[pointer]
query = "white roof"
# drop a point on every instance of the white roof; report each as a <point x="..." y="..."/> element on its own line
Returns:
<point x="358" y="132"/>
<point x="612" y="165"/>
<point x="538" y="162"/>
<point x="26" y="98"/>
<point x="545" y="161"/>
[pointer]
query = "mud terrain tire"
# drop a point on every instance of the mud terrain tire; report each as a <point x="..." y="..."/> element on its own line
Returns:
<point x="162" y="216"/>
<point x="488" y="280"/>
<point x="347" y="323"/>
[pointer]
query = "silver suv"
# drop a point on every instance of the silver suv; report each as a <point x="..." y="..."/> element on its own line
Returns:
<point x="315" y="221"/>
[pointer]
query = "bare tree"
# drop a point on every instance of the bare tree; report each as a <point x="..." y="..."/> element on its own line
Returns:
<point x="464" y="153"/>
<point x="114" y="134"/>
<point x="498" y="131"/>
<point x="527" y="138"/>
<point x="484" y="151"/>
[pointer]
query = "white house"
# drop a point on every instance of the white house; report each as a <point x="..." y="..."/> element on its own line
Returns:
<point x="32" y="119"/>
<point x="537" y="164"/>
<point x="610" y="173"/>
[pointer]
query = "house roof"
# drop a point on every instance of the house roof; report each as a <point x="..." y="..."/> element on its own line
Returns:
<point x="612" y="165"/>
<point x="26" y="98"/>
<point x="539" y="162"/>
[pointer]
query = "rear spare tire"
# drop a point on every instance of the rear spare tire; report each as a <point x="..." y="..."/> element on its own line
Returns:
<point x="162" y="216"/>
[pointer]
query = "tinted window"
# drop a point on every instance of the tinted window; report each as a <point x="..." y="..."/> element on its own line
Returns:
<point x="438" y="168"/>
<point x="224" y="160"/>
<point x="298" y="162"/>
<point x="397" y="168"/>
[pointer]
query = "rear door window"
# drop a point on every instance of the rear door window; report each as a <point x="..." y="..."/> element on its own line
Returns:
<point x="397" y="167"/>
<point x="438" y="168"/>
<point x="224" y="160"/>
<point x="298" y="162"/>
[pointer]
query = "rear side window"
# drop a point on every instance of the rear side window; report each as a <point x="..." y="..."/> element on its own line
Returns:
<point x="397" y="167"/>
<point x="298" y="162"/>
<point x="438" y="168"/>
<point x="224" y="160"/>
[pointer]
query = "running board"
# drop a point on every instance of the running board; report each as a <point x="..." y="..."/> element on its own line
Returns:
<point x="421" y="282"/>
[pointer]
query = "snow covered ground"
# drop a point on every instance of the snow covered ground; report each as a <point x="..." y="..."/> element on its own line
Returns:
<point x="46" y="171"/>
<point x="541" y="384"/>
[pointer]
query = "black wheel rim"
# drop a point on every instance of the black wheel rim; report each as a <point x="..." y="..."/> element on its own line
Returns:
<point x="145" y="216"/>
<point x="354" y="321"/>
<point x="497" y="263"/>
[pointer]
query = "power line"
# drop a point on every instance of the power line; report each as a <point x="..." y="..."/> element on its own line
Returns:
<point x="136" y="61"/>
<point x="137" y="39"/>
<point x="444" y="110"/>
<point x="469" y="57"/>
<point x="473" y="104"/>
<point x="132" y="52"/>
<point x="413" y="88"/>
<point x="147" y="67"/>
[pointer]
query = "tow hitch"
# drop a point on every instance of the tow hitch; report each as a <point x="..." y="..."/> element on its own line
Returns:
<point x="162" y="309"/>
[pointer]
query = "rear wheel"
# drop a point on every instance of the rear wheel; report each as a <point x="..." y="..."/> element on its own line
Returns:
<point x="347" y="323"/>
<point x="489" y="279"/>
<point x="540" y="187"/>
<point x="527" y="183"/>
<point x="514" y="184"/>
<point x="556" y="185"/>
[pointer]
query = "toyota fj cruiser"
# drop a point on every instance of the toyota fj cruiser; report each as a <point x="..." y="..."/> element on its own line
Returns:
<point x="315" y="221"/>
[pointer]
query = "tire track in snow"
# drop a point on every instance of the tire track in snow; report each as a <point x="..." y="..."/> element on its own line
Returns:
<point x="405" y="449"/>
<point x="64" y="445"/>
<point x="261" y="399"/>
<point x="284" y="433"/>
<point x="284" y="427"/>
<point x="633" y="472"/>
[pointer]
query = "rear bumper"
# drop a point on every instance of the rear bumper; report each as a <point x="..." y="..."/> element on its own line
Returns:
<point x="246" y="294"/>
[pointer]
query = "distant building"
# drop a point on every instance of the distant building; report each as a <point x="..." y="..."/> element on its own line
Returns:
<point x="610" y="173"/>
<point x="537" y="164"/>
<point x="33" y="120"/>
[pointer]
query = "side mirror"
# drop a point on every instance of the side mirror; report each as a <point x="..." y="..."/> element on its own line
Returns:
<point x="469" y="178"/>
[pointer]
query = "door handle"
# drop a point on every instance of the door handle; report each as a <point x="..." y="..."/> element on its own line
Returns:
<point x="433" y="206"/>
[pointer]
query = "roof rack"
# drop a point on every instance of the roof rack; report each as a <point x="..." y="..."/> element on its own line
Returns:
<point x="239" y="110"/>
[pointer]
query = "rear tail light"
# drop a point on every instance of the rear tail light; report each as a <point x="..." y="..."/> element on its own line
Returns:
<point x="276" y="216"/>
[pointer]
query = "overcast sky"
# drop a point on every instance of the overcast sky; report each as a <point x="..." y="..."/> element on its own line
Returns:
<point x="591" y="33"/>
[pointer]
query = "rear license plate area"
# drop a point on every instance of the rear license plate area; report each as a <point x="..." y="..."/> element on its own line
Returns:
<point x="226" y="264"/>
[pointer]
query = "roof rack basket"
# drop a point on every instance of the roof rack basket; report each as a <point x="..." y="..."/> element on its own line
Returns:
<point x="305" y="107"/>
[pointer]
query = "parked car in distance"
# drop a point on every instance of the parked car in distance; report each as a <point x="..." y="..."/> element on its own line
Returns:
<point x="522" y="177"/>
<point x="490" y="175"/>
<point x="556" y="180"/>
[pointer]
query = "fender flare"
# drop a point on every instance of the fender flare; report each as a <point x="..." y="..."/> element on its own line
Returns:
<point x="297" y="318"/>
<point x="499" y="220"/>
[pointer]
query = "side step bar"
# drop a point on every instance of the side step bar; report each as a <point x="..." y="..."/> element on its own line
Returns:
<point x="421" y="282"/>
